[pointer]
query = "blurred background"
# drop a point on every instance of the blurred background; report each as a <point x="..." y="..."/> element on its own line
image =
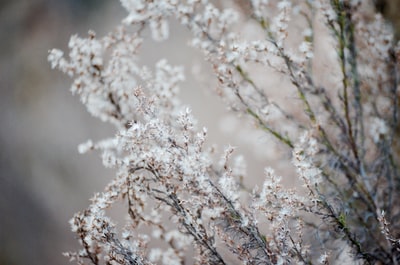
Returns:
<point x="43" y="179"/>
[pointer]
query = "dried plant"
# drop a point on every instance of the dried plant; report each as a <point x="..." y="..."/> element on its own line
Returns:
<point x="183" y="205"/>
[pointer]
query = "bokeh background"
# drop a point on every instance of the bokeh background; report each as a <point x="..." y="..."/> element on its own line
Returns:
<point x="43" y="179"/>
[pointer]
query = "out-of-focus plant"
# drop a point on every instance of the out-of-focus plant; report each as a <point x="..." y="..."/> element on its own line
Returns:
<point x="343" y="140"/>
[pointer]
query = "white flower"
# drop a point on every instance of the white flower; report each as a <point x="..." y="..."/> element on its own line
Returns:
<point x="378" y="129"/>
<point x="306" y="48"/>
<point x="323" y="259"/>
<point x="84" y="147"/>
<point x="54" y="57"/>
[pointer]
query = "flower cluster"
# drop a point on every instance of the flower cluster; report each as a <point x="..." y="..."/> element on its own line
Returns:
<point x="185" y="206"/>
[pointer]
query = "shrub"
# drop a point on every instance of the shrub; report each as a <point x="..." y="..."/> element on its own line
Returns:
<point x="343" y="139"/>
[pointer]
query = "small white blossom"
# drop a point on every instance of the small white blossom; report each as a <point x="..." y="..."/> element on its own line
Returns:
<point x="323" y="259"/>
<point x="306" y="49"/>
<point x="84" y="147"/>
<point x="378" y="129"/>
